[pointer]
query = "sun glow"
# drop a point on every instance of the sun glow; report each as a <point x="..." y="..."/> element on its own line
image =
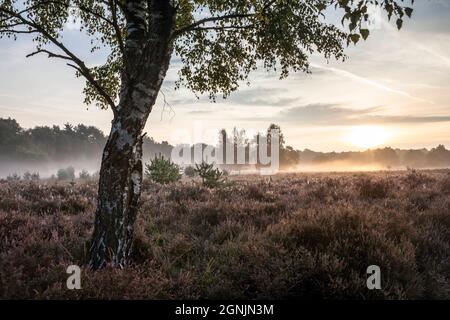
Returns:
<point x="367" y="136"/>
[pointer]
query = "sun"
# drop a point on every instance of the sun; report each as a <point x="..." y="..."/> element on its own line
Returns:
<point x="367" y="136"/>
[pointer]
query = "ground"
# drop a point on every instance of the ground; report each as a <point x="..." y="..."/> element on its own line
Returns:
<point x="289" y="236"/>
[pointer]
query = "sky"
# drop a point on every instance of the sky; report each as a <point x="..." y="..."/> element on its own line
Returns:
<point x="393" y="90"/>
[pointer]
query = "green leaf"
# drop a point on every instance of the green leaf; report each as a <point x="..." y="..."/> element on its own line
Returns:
<point x="365" y="33"/>
<point x="409" y="11"/>
<point x="355" y="38"/>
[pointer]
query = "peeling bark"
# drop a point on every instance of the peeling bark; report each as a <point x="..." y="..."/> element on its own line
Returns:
<point x="148" y="49"/>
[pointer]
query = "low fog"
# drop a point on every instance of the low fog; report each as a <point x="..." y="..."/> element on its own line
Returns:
<point x="49" y="168"/>
<point x="45" y="150"/>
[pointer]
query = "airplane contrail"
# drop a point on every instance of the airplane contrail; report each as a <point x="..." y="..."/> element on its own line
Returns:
<point x="444" y="59"/>
<point x="370" y="82"/>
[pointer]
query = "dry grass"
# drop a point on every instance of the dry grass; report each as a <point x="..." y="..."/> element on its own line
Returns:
<point x="292" y="236"/>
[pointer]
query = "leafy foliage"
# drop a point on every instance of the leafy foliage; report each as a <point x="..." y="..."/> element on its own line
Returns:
<point x="189" y="171"/>
<point x="162" y="170"/>
<point x="102" y="21"/>
<point x="219" y="42"/>
<point x="211" y="177"/>
<point x="28" y="176"/>
<point x="84" y="175"/>
<point x="220" y="51"/>
<point x="13" y="177"/>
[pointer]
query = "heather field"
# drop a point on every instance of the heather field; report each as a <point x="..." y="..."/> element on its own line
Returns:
<point x="289" y="236"/>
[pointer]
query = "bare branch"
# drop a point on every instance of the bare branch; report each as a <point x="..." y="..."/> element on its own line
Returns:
<point x="18" y="31"/>
<point x="50" y="54"/>
<point x="75" y="67"/>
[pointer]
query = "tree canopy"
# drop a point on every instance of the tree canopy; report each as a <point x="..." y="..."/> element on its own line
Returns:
<point x="219" y="42"/>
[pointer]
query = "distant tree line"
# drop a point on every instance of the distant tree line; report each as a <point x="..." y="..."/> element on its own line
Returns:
<point x="45" y="143"/>
<point x="388" y="157"/>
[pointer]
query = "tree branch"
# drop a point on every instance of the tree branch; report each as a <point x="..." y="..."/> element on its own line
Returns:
<point x="225" y="28"/>
<point x="50" y="54"/>
<point x="112" y="5"/>
<point x="210" y="19"/>
<point x="197" y="25"/>
<point x="18" y="31"/>
<point x="84" y="70"/>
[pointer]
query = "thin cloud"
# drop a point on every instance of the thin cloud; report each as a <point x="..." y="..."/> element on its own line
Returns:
<point x="334" y="114"/>
<point x="321" y="112"/>
<point x="405" y="119"/>
<point x="258" y="96"/>
<point x="200" y="111"/>
<point x="445" y="60"/>
<point x="370" y="82"/>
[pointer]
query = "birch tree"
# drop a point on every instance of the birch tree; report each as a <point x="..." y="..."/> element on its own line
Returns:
<point x="219" y="42"/>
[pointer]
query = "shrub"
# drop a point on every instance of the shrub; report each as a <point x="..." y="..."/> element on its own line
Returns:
<point x="189" y="193"/>
<point x="13" y="177"/>
<point x="250" y="240"/>
<point x="211" y="177"/>
<point x="189" y="171"/>
<point x="162" y="170"/>
<point x="27" y="176"/>
<point x="373" y="189"/>
<point x="66" y="174"/>
<point x="445" y="184"/>
<point x="84" y="175"/>
<point x="416" y="179"/>
<point x="419" y="201"/>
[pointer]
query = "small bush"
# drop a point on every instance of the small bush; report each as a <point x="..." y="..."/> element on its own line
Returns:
<point x="420" y="201"/>
<point x="162" y="170"/>
<point x="211" y="177"/>
<point x="189" y="171"/>
<point x="84" y="175"/>
<point x="13" y="177"/>
<point x="416" y="179"/>
<point x="373" y="189"/>
<point x="189" y="193"/>
<point x="27" y="176"/>
<point x="445" y="184"/>
<point x="66" y="174"/>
